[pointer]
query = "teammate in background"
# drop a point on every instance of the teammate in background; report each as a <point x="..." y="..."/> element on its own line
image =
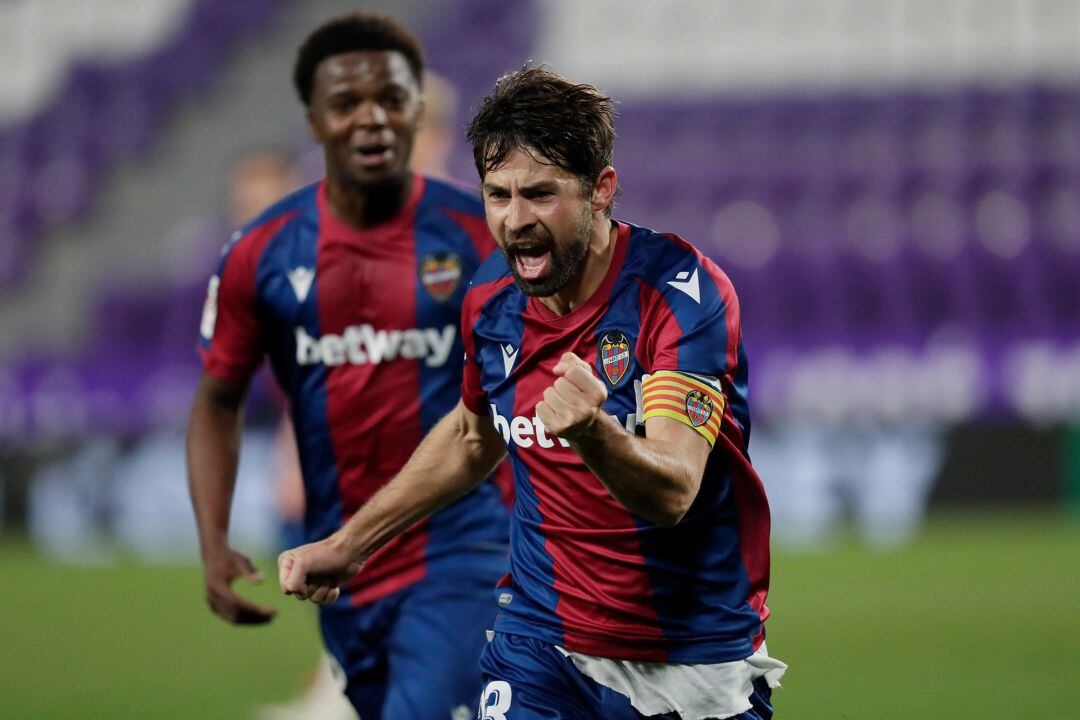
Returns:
<point x="353" y="288"/>
<point x="433" y="145"/>
<point x="608" y="359"/>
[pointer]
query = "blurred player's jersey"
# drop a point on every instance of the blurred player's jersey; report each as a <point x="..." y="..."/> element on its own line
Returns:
<point x="586" y="573"/>
<point x="361" y="328"/>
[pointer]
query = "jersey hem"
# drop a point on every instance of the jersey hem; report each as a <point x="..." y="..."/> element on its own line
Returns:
<point x="228" y="372"/>
<point x="700" y="651"/>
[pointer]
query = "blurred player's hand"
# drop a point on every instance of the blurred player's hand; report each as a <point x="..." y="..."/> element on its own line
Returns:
<point x="221" y="569"/>
<point x="316" y="571"/>
<point x="573" y="403"/>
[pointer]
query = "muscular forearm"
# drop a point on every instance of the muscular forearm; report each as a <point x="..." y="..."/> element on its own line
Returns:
<point x="655" y="479"/>
<point x="451" y="460"/>
<point x="213" y="450"/>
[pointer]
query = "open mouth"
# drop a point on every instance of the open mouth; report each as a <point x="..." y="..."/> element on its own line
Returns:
<point x="374" y="155"/>
<point x="531" y="260"/>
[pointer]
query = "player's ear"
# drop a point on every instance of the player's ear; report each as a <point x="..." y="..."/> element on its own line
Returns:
<point x="421" y="113"/>
<point x="604" y="189"/>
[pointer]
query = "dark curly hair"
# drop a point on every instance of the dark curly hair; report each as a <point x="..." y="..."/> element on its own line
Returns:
<point x="571" y="125"/>
<point x="354" y="32"/>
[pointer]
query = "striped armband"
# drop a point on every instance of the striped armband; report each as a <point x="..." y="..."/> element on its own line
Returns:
<point x="690" y="399"/>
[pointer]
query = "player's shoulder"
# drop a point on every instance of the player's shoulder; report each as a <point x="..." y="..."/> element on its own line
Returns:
<point x="675" y="269"/>
<point x="494" y="270"/>
<point x="457" y="215"/>
<point x="492" y="279"/>
<point x="298" y="206"/>
<point x="453" y="198"/>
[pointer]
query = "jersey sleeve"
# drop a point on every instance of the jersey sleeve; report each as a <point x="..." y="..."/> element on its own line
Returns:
<point x="694" y="400"/>
<point x="230" y="334"/>
<point x="472" y="392"/>
<point x="691" y="333"/>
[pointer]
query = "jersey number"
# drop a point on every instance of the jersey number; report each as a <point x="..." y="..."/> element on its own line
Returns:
<point x="495" y="701"/>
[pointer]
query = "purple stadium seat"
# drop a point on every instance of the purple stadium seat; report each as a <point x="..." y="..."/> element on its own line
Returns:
<point x="897" y="217"/>
<point x="51" y="162"/>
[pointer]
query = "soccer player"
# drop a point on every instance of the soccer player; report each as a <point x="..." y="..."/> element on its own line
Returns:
<point x="353" y="289"/>
<point x="608" y="359"/>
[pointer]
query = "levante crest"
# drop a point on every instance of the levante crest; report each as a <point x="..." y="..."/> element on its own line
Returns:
<point x="699" y="407"/>
<point x="614" y="353"/>
<point x="440" y="273"/>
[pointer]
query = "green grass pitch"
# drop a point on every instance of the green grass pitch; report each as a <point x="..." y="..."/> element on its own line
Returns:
<point x="980" y="618"/>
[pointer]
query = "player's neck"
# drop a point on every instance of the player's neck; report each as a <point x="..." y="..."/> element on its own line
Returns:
<point x="366" y="206"/>
<point x="582" y="286"/>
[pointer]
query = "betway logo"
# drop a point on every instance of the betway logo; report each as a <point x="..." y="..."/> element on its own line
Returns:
<point x="521" y="430"/>
<point x="526" y="432"/>
<point x="363" y="344"/>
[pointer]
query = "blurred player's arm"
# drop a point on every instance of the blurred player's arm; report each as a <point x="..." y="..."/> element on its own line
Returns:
<point x="213" y="452"/>
<point x="458" y="453"/>
<point x="656" y="477"/>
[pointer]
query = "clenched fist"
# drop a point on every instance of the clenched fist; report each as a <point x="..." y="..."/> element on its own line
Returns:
<point x="573" y="403"/>
<point x="316" y="571"/>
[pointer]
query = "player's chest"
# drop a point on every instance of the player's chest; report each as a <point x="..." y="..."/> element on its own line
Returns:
<point x="394" y="284"/>
<point x="517" y="358"/>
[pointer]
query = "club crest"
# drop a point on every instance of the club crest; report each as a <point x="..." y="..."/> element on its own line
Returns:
<point x="614" y="354"/>
<point x="699" y="407"/>
<point x="440" y="273"/>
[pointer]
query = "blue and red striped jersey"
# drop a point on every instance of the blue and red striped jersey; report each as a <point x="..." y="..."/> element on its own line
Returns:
<point x="586" y="573"/>
<point x="362" y="332"/>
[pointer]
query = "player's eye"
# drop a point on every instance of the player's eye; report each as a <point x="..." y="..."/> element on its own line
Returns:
<point x="394" y="101"/>
<point x="341" y="103"/>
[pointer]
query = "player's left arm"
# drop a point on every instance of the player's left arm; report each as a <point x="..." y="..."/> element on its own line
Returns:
<point x="459" y="452"/>
<point x="656" y="477"/>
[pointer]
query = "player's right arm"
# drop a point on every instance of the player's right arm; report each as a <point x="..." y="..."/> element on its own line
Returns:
<point x="213" y="451"/>
<point x="459" y="452"/>
<point x="231" y="342"/>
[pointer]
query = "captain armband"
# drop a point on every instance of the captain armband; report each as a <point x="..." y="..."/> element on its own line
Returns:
<point x="693" y="400"/>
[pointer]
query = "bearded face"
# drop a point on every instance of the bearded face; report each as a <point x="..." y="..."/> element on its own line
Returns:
<point x="542" y="218"/>
<point x="541" y="264"/>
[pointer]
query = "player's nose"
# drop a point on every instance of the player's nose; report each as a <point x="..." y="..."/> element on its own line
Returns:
<point x="371" y="113"/>
<point x="519" y="214"/>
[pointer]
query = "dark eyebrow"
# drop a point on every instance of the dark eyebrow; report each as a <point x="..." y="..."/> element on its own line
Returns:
<point x="340" y="89"/>
<point x="394" y="86"/>
<point x="539" y="186"/>
<point x="345" y="85"/>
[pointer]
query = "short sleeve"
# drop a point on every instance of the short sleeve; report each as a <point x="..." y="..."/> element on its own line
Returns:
<point x="693" y="400"/>
<point x="690" y="323"/>
<point x="472" y="393"/>
<point x="690" y="349"/>
<point x="230" y="334"/>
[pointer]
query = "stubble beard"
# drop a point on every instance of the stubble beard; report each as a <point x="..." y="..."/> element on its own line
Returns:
<point x="565" y="262"/>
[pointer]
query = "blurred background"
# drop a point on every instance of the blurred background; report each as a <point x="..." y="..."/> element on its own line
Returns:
<point x="892" y="186"/>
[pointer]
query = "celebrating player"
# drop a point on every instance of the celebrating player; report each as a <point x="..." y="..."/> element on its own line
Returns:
<point x="353" y="288"/>
<point x="608" y="359"/>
